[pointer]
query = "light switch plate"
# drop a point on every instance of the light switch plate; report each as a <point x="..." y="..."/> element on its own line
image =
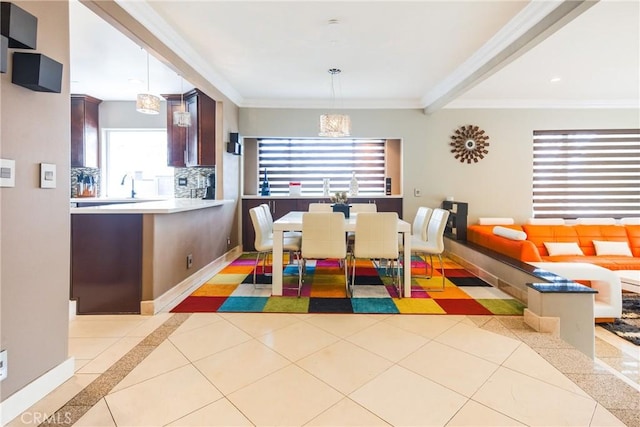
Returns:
<point x="47" y="175"/>
<point x="7" y="173"/>
<point x="3" y="365"/>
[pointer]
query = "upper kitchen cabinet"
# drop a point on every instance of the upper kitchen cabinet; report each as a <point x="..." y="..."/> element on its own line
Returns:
<point x="84" y="131"/>
<point x="194" y="145"/>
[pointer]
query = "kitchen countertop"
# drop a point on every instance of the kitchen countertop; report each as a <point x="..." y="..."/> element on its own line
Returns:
<point x="115" y="199"/>
<point x="320" y="196"/>
<point x="153" y="207"/>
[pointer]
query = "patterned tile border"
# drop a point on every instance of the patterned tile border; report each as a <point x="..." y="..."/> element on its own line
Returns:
<point x="75" y="408"/>
<point x="614" y="394"/>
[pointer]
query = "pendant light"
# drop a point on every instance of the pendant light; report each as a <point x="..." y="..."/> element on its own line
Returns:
<point x="148" y="103"/>
<point x="334" y="125"/>
<point x="182" y="118"/>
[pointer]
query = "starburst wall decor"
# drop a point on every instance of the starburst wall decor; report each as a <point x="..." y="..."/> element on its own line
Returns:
<point x="469" y="144"/>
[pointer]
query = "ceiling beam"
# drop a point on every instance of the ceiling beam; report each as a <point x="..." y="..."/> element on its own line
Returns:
<point x="536" y="22"/>
<point x="120" y="19"/>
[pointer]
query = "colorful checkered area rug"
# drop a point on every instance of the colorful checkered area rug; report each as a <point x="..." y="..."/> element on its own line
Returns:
<point x="323" y="291"/>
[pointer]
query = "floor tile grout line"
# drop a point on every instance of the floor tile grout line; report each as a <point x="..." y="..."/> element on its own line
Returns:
<point x="512" y="328"/>
<point x="73" y="409"/>
<point x="555" y="361"/>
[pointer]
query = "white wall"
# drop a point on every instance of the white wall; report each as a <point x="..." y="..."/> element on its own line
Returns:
<point x="34" y="272"/>
<point x="123" y="115"/>
<point x="499" y="185"/>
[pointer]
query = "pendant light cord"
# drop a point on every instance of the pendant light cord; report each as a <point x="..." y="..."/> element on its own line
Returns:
<point x="148" y="91"/>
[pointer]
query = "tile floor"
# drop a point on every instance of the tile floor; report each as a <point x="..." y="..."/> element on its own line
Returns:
<point x="337" y="370"/>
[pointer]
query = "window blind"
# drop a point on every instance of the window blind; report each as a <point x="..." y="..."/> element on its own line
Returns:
<point x="309" y="161"/>
<point x="586" y="173"/>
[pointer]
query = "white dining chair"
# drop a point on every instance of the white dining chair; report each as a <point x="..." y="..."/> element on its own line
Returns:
<point x="320" y="207"/>
<point x="363" y="207"/>
<point x="356" y="208"/>
<point x="419" y="225"/>
<point x="264" y="240"/>
<point x="322" y="238"/>
<point x="434" y="243"/>
<point x="376" y="237"/>
<point x="269" y="217"/>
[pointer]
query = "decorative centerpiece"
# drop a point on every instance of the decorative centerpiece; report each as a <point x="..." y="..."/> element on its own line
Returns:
<point x="339" y="200"/>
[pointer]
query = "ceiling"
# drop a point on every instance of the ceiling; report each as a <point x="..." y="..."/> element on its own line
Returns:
<point x="393" y="54"/>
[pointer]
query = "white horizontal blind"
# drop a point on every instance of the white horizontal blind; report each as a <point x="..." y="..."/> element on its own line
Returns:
<point x="309" y="161"/>
<point x="586" y="173"/>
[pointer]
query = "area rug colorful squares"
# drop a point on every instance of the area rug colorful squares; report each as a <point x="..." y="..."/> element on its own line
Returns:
<point x="323" y="291"/>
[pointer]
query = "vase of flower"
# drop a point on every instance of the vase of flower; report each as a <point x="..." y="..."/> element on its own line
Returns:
<point x="340" y="204"/>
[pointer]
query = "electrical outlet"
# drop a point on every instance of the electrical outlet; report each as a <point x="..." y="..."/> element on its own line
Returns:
<point x="189" y="260"/>
<point x="228" y="241"/>
<point x="417" y="192"/>
<point x="3" y="364"/>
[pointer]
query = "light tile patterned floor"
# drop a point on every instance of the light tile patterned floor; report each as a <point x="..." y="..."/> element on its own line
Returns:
<point x="223" y="369"/>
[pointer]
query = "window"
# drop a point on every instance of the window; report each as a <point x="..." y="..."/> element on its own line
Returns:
<point x="309" y="161"/>
<point x="586" y="173"/>
<point x="141" y="155"/>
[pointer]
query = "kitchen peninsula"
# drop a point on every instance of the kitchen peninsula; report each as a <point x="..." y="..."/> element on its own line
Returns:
<point x="126" y="256"/>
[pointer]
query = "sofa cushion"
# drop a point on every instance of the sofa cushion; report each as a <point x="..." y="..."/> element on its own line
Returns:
<point x="588" y="233"/>
<point x="633" y="237"/>
<point x="522" y="250"/>
<point x="612" y="248"/>
<point x="562" y="248"/>
<point x="538" y="234"/>
<point x="495" y="221"/>
<point x="509" y="233"/>
<point x="546" y="221"/>
<point x="596" y="221"/>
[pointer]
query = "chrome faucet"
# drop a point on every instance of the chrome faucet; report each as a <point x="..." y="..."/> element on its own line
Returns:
<point x="133" y="190"/>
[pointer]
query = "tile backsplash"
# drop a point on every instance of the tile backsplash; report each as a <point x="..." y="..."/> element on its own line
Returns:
<point x="76" y="187"/>
<point x="196" y="181"/>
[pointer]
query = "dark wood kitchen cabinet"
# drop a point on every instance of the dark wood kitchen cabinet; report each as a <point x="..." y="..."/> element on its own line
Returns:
<point x="194" y="145"/>
<point x="84" y="131"/>
<point x="106" y="263"/>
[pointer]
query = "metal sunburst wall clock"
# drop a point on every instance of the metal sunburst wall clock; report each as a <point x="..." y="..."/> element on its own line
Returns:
<point x="469" y="144"/>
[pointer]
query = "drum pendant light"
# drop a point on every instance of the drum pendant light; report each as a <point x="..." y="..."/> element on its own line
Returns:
<point x="334" y="125"/>
<point x="182" y="118"/>
<point x="148" y="103"/>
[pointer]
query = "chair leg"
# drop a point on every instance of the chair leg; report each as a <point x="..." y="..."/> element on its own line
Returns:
<point x="399" y="274"/>
<point x="430" y="266"/>
<point x="346" y="276"/>
<point x="255" y="268"/>
<point x="301" y="262"/>
<point x="353" y="274"/>
<point x="442" y="269"/>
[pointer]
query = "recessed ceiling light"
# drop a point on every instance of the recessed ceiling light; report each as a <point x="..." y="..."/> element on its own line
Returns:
<point x="135" y="81"/>
<point x="555" y="79"/>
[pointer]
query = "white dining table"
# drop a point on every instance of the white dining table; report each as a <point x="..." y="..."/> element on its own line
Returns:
<point x="293" y="222"/>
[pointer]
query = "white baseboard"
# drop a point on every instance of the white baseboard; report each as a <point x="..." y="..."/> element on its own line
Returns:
<point x="175" y="295"/>
<point x="26" y="397"/>
<point x="72" y="309"/>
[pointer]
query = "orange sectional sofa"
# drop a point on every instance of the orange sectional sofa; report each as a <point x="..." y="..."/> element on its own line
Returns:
<point x="533" y="249"/>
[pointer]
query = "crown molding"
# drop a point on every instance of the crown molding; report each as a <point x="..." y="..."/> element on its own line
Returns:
<point x="364" y="104"/>
<point x="548" y="104"/>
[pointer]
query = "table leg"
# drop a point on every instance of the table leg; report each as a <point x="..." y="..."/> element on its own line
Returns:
<point x="276" y="287"/>
<point x="407" y="264"/>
